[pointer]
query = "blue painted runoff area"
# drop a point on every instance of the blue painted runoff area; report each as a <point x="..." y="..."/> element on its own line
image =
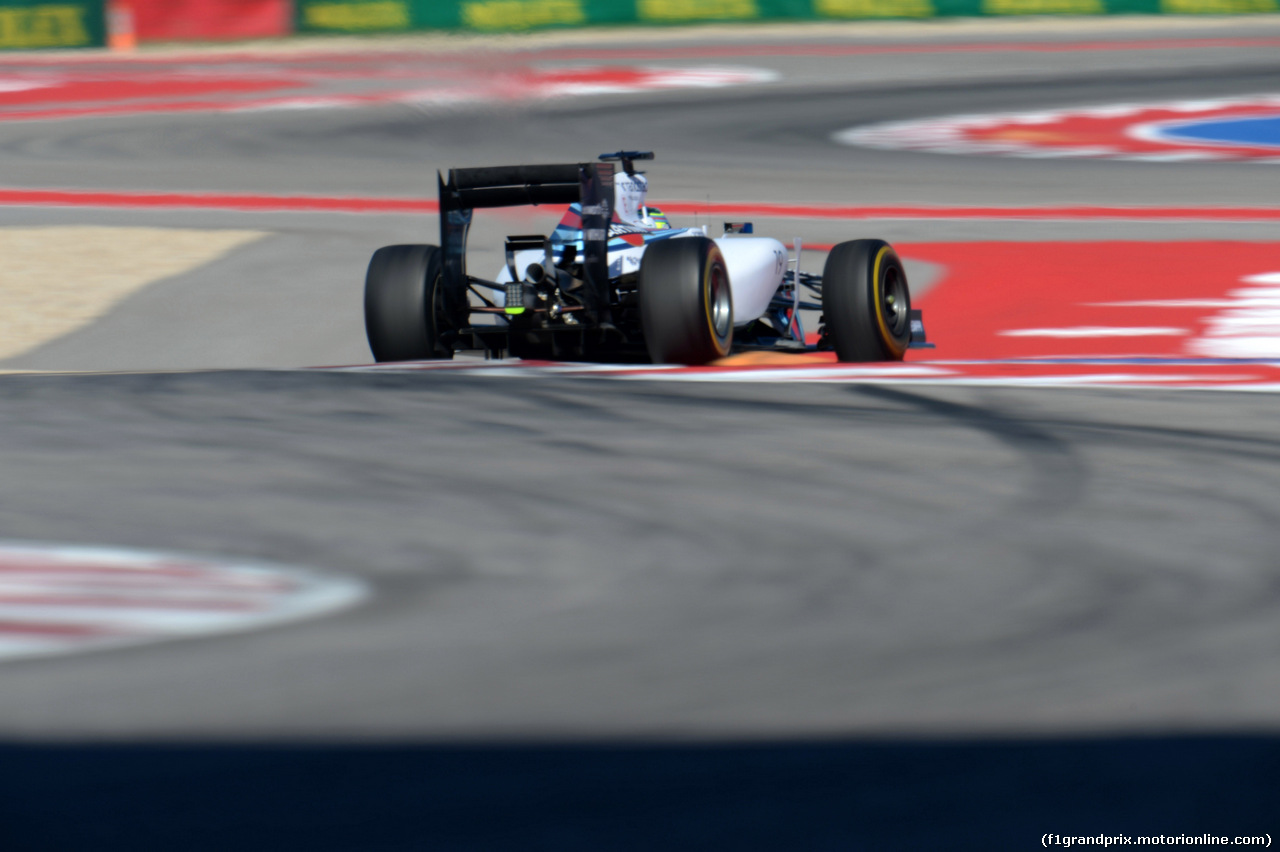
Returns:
<point x="1261" y="130"/>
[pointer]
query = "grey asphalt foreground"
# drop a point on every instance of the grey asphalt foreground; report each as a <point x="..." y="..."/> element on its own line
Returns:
<point x="636" y="614"/>
<point x="581" y="558"/>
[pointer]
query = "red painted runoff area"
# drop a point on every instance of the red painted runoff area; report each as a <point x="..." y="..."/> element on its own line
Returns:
<point x="142" y="89"/>
<point x="1001" y="300"/>
<point x="1245" y="127"/>
<point x="1191" y="315"/>
<point x="194" y="85"/>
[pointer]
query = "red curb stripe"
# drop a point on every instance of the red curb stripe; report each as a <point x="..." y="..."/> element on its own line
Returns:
<point x="305" y="203"/>
<point x="57" y="630"/>
<point x="1074" y="212"/>
<point x="141" y="602"/>
<point x="213" y="201"/>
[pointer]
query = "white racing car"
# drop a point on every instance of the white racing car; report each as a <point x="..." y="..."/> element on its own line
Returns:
<point x="615" y="282"/>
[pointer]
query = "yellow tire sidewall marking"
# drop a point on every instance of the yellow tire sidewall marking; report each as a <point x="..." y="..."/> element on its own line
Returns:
<point x="708" y="305"/>
<point x="877" y="295"/>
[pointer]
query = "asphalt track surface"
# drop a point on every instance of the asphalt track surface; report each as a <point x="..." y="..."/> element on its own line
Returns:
<point x="635" y="614"/>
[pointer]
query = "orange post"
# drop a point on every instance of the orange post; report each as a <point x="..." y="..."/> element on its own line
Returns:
<point x="121" y="34"/>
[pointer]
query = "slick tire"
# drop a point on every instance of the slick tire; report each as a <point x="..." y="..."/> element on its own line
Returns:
<point x="402" y="304"/>
<point x="866" y="304"/>
<point x="686" y="305"/>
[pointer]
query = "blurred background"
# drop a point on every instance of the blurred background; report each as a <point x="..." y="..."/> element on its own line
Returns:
<point x="257" y="592"/>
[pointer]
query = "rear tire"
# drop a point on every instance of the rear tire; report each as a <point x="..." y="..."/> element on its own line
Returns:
<point x="402" y="304"/>
<point x="686" y="305"/>
<point x="866" y="304"/>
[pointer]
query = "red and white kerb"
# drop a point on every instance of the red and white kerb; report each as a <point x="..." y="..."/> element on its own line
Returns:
<point x="59" y="600"/>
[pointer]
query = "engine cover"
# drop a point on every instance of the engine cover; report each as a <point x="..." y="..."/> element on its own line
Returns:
<point x="756" y="268"/>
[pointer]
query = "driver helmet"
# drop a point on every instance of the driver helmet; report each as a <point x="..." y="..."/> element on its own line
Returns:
<point x="629" y="193"/>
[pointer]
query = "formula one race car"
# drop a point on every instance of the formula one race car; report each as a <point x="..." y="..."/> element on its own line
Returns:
<point x="615" y="282"/>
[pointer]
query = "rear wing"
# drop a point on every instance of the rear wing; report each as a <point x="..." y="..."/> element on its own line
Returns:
<point x="465" y="190"/>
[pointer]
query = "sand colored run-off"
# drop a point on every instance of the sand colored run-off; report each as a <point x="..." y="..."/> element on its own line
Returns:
<point x="56" y="280"/>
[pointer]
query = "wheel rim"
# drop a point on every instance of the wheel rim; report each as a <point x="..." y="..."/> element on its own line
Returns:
<point x="721" y="308"/>
<point x="895" y="302"/>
